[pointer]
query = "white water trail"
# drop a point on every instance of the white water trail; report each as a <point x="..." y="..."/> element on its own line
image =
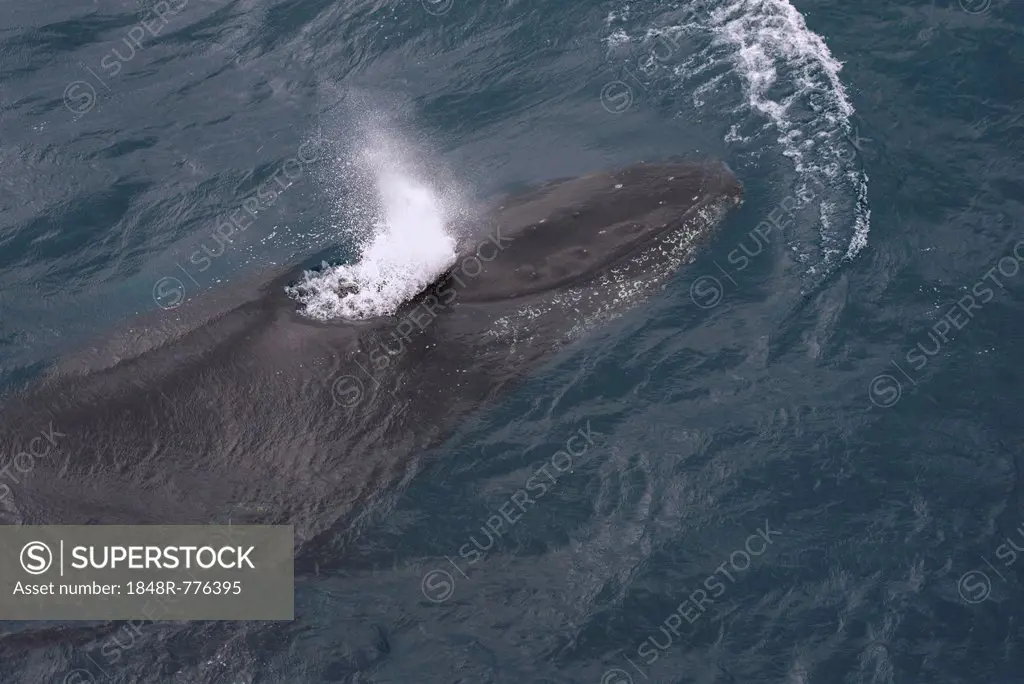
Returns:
<point x="772" y="46"/>
<point x="791" y="91"/>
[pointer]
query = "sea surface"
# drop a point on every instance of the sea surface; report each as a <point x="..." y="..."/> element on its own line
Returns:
<point x="803" y="458"/>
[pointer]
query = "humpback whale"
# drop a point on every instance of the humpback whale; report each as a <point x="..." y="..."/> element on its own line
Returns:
<point x="263" y="414"/>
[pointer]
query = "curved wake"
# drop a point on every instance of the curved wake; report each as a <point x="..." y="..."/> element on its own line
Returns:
<point x="792" y="91"/>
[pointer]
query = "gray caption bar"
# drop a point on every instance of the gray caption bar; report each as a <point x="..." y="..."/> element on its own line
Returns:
<point x="147" y="572"/>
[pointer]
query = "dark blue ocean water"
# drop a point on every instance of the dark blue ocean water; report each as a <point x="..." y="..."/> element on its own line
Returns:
<point x="802" y="461"/>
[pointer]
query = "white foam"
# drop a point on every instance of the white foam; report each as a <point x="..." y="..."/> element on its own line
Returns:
<point x="617" y="39"/>
<point x="764" y="32"/>
<point x="773" y="47"/>
<point x="405" y="247"/>
<point x="613" y="16"/>
<point x="790" y="81"/>
<point x="863" y="222"/>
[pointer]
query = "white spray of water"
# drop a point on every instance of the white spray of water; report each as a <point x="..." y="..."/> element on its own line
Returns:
<point x="404" y="250"/>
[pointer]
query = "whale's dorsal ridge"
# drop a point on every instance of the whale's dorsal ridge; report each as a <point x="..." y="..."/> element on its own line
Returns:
<point x="314" y="421"/>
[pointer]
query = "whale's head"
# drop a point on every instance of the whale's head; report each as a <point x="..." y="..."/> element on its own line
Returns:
<point x="548" y="265"/>
<point x="604" y="237"/>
